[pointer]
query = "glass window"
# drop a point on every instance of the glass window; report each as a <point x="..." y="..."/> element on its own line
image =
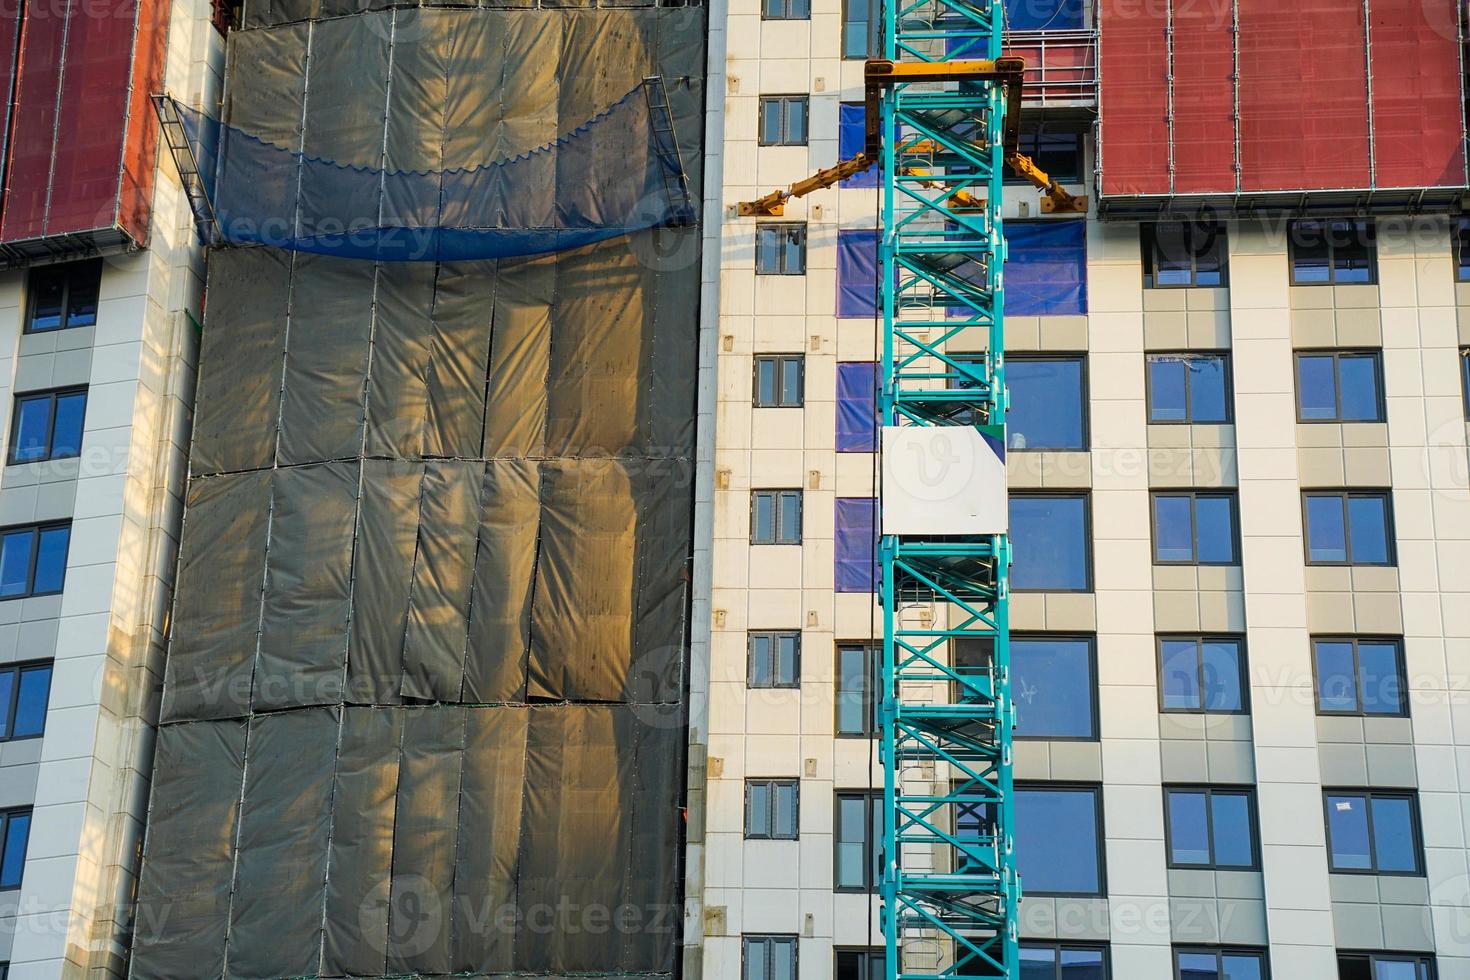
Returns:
<point x="1324" y="252"/>
<point x="775" y="517"/>
<point x="1202" y="673"/>
<point x="1359" y="676"/>
<point x="1188" y="387"/>
<point x="786" y="10"/>
<point x="780" y="249"/>
<point x="25" y="690"/>
<point x="1063" y="961"/>
<point x="1194" y="529"/>
<point x="779" y="381"/>
<point x="1348" y="528"/>
<point x="1184" y="253"/>
<point x="770" y="809"/>
<point x="1054" y="686"/>
<point x="1373" y="832"/>
<point x="1339" y="386"/>
<point x="64" y="296"/>
<point x="774" y="659"/>
<point x="47" y="425"/>
<point x="861" y="964"/>
<point x="1462" y="249"/>
<point x="1043" y="15"/>
<point x="1058" y="839"/>
<point x="1055" y="147"/>
<point x="15" y="834"/>
<point x="33" y="560"/>
<point x="784" y="120"/>
<point x="1384" y="966"/>
<point x="1210" y="827"/>
<point x="1198" y="963"/>
<point x="1048" y="402"/>
<point x="768" y="957"/>
<point x="858" y="667"/>
<point x="859" y="841"/>
<point x="861" y="22"/>
<point x="1050" y="535"/>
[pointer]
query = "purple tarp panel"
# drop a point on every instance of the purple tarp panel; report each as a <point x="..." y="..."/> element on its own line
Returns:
<point x="857" y="552"/>
<point x="851" y="135"/>
<point x="1046" y="268"/>
<point x="857" y="272"/>
<point x="857" y="398"/>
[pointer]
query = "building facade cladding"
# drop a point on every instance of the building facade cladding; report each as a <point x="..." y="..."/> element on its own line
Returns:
<point x="118" y="331"/>
<point x="423" y="710"/>
<point x="1298" y="902"/>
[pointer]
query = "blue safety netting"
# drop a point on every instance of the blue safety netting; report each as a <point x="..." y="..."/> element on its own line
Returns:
<point x="857" y="272"/>
<point x="1046" y="268"/>
<point x="613" y="175"/>
<point x="857" y="407"/>
<point x="852" y="136"/>
<point x="857" y="568"/>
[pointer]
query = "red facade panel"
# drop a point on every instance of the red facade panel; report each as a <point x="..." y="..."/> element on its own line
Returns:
<point x="1303" y="95"/>
<point x="83" y="138"/>
<point x="1133" y="60"/>
<point x="1417" y="135"/>
<point x="1204" y="97"/>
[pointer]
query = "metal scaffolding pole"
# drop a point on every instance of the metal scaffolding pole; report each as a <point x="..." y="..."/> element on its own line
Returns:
<point x="949" y="888"/>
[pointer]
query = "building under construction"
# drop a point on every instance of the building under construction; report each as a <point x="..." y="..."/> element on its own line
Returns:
<point x="654" y="490"/>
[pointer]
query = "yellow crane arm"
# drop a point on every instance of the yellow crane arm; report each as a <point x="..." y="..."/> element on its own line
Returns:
<point x="775" y="202"/>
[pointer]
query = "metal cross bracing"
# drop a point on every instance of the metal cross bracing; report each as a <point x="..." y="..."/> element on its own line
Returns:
<point x="949" y="888"/>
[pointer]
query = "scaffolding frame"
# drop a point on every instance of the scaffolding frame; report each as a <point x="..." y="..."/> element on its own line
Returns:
<point x="949" y="888"/>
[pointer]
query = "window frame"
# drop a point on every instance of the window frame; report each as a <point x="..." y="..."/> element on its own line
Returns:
<point x="767" y="941"/>
<point x="1083" y="395"/>
<point x="1354" y="639"/>
<point x="1220" y="952"/>
<point x="6" y="816"/>
<point x="774" y="636"/>
<point x="777" y="494"/>
<point x="777" y="227"/>
<point x="1373" y="957"/>
<point x="1149" y="245"/>
<point x="781" y="103"/>
<point x="1090" y="583"/>
<point x="1344" y="495"/>
<point x="865" y="954"/>
<point x="1210" y="790"/>
<point x="88" y="266"/>
<point x="53" y="395"/>
<point x="874" y="21"/>
<point x="37" y="530"/>
<point x="1099" y="831"/>
<point x="872" y="869"/>
<point x="1228" y="381"/>
<point x="783" y="363"/>
<point x="1090" y="639"/>
<point x="17" y="669"/>
<point x="872" y="664"/>
<point x="1194" y="496"/>
<point x="1029" y="143"/>
<point x="1370" y="232"/>
<point x="1460" y="236"/>
<point x="771" y="782"/>
<point x="786" y="10"/>
<point x="1381" y="413"/>
<point x="1416" y="829"/>
<point x="1060" y="947"/>
<point x="1200" y="639"/>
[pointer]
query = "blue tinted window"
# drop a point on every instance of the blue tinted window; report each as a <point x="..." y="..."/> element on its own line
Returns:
<point x="32" y="430"/>
<point x="1383" y="966"/>
<point x="1326" y="528"/>
<point x="51" y="560"/>
<point x="1337" y="677"/>
<point x="16" y="548"/>
<point x="1359" y="676"/>
<point x="47" y="426"/>
<point x="33" y="560"/>
<point x="1338" y="251"/>
<point x="1043" y="15"/>
<point x="857" y="680"/>
<point x="1194" y="528"/>
<point x="63" y="296"/>
<point x="1057" y="846"/>
<point x="15" y="833"/>
<point x="1345" y="527"/>
<point x="31" y="687"/>
<point x="1047" y="400"/>
<point x="1189" y="388"/>
<point x="769" y="958"/>
<point x="859" y="841"/>
<point x="1335" y="386"/>
<point x="1375" y="832"/>
<point x="1062" y="962"/>
<point x="1219" y="964"/>
<point x="1210" y="828"/>
<point x="1368" y="530"/>
<point x="1052" y="684"/>
<point x="1049" y="539"/>
<point x="1201" y="674"/>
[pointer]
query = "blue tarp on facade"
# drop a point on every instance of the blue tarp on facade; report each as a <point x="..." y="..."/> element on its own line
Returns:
<point x="857" y="272"/>
<point x="850" y="139"/>
<point x="857" y="553"/>
<point x="1046" y="268"/>
<point x="857" y="423"/>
